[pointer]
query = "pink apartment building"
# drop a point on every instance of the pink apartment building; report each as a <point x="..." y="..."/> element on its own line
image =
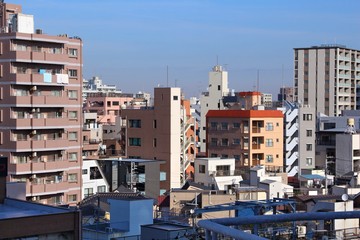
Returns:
<point x="40" y="108"/>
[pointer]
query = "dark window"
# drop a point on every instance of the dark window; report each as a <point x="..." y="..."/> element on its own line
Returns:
<point x="134" y="141"/>
<point x="135" y="123"/>
<point x="201" y="168"/>
<point x="175" y="98"/>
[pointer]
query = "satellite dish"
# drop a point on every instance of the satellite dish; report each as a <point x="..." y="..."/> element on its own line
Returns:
<point x="344" y="197"/>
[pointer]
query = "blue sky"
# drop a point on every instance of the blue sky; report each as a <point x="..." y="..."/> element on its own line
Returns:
<point x="130" y="43"/>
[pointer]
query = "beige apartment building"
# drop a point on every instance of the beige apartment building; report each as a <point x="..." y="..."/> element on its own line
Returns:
<point x="327" y="77"/>
<point x="40" y="108"/>
<point x="252" y="137"/>
<point x="162" y="132"/>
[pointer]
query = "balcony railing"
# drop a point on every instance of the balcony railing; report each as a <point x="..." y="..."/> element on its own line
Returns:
<point x="223" y="173"/>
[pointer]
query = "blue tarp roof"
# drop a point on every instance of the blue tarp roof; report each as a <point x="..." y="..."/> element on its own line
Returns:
<point x="312" y="176"/>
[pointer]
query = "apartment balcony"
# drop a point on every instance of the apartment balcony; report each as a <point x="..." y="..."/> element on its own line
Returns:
<point x="38" y="57"/>
<point x="256" y="146"/>
<point x="225" y="173"/>
<point x="19" y="168"/>
<point x="45" y="188"/>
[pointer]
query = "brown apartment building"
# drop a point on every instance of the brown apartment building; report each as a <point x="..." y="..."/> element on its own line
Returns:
<point x="40" y="108"/>
<point x="252" y="137"/>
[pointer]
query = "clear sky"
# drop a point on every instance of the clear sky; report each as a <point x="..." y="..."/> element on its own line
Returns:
<point x="130" y="43"/>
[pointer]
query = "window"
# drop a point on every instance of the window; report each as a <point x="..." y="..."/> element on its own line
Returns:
<point x="72" y="177"/>
<point x="224" y="126"/>
<point x="72" y="198"/>
<point x="72" y="136"/>
<point x="88" y="192"/>
<point x="309" y="133"/>
<point x="101" y="188"/>
<point x="72" y="156"/>
<point x="308" y="161"/>
<point x="201" y="168"/>
<point x="214" y="142"/>
<point x="56" y="93"/>
<point x="269" y="158"/>
<point x="213" y="125"/>
<point x="135" y="123"/>
<point x="95" y="173"/>
<point x="73" y="94"/>
<point x="236" y="141"/>
<point x="134" y="141"/>
<point x="154" y="142"/>
<point x="269" y="126"/>
<point x="115" y="103"/>
<point x="224" y="142"/>
<point x="73" y="73"/>
<point x="237" y="157"/>
<point x="154" y="124"/>
<point x="308" y="147"/>
<point x="73" y="52"/>
<point x="213" y="155"/>
<point x="307" y="117"/>
<point x="84" y="171"/>
<point x="175" y="98"/>
<point x="219" y="88"/>
<point x="73" y="115"/>
<point x="269" y="142"/>
<point x="236" y="125"/>
<point x="224" y="156"/>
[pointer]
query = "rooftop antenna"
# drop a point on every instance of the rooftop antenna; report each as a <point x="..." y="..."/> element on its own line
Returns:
<point x="257" y="81"/>
<point x="217" y="60"/>
<point x="282" y="83"/>
<point x="167" y="76"/>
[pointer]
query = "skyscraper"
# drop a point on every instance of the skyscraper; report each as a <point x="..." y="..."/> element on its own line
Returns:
<point x="327" y="77"/>
<point x="40" y="108"/>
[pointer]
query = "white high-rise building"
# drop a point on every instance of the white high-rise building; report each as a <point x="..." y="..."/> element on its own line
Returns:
<point x="212" y="99"/>
<point x="327" y="77"/>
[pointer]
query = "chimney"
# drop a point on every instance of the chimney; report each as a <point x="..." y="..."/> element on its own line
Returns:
<point x="3" y="175"/>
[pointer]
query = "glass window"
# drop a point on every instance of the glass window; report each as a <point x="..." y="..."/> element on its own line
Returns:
<point x="73" y="73"/>
<point x="308" y="161"/>
<point x="72" y="156"/>
<point x="73" y="94"/>
<point x="224" y="142"/>
<point x="236" y="125"/>
<point x="134" y="141"/>
<point x="84" y="171"/>
<point x="135" y="123"/>
<point x="269" y="158"/>
<point x="201" y="168"/>
<point x="73" y="115"/>
<point x="72" y="136"/>
<point x="72" y="177"/>
<point x="269" y="126"/>
<point x="72" y="198"/>
<point x="73" y="52"/>
<point x="309" y="133"/>
<point x="307" y="117"/>
<point x="101" y="188"/>
<point x="308" y="147"/>
<point x="236" y="141"/>
<point x="269" y="142"/>
<point x="224" y="126"/>
<point x="88" y="192"/>
<point x="214" y="142"/>
<point x="213" y="125"/>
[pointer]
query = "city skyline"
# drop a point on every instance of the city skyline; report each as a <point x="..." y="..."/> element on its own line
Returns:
<point x="137" y="45"/>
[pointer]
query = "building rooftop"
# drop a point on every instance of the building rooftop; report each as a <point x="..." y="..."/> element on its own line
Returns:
<point x="245" y="113"/>
<point x="12" y="208"/>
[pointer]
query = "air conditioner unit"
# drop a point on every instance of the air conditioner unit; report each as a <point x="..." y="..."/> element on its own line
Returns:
<point x="33" y="176"/>
<point x="34" y="154"/>
<point x="33" y="132"/>
<point x="34" y="88"/>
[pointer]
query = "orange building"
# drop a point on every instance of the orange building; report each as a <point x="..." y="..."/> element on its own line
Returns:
<point x="252" y="137"/>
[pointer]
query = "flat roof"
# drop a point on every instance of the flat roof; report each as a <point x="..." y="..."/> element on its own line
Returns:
<point x="135" y="160"/>
<point x="168" y="226"/>
<point x="245" y="113"/>
<point x="12" y="208"/>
